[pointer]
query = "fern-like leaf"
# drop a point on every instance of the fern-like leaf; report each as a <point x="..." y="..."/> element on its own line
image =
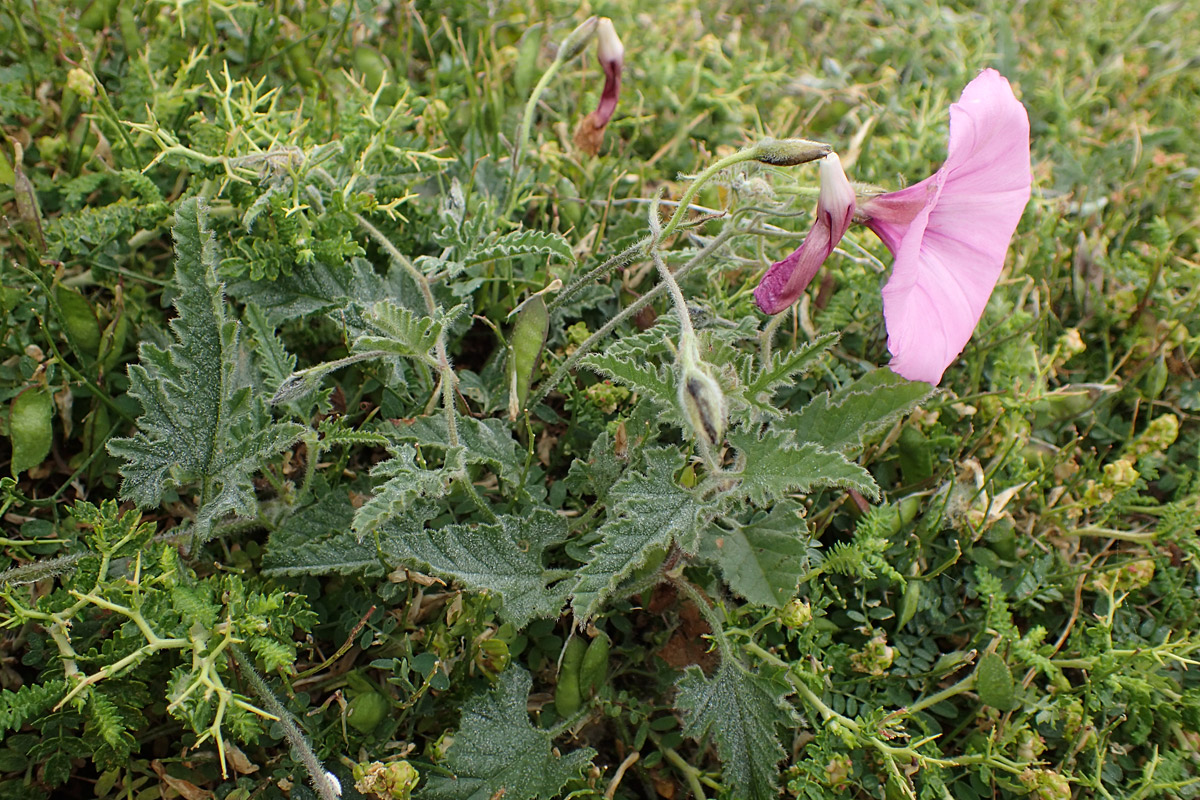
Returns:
<point x="399" y="331"/>
<point x="408" y="482"/>
<point x="648" y="380"/>
<point x="29" y="701"/>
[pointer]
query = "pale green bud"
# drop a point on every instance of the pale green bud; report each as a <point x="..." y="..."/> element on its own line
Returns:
<point x="81" y="82"/>
<point x="700" y="396"/>
<point x="789" y="152"/>
<point x="578" y="39"/>
<point x="796" y="614"/>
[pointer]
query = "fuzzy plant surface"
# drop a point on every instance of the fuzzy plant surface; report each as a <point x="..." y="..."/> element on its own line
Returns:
<point x="473" y="400"/>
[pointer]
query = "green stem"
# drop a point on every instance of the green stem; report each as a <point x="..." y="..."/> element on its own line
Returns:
<point x="526" y="129"/>
<point x="965" y="685"/>
<point x="633" y="308"/>
<point x="621" y="259"/>
<point x="681" y="210"/>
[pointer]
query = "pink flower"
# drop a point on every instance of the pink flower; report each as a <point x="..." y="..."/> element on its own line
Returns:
<point x="948" y="234"/>
<point x="786" y="280"/>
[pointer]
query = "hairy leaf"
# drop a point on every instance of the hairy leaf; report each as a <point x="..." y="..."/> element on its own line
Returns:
<point x="776" y="466"/>
<point x="399" y="331"/>
<point x="201" y="423"/>
<point x="741" y="710"/>
<point x="496" y="752"/>
<point x="315" y="287"/>
<point x="408" y="482"/>
<point x="758" y="387"/>
<point x="844" y="420"/>
<point x="762" y="560"/>
<point x="317" y="539"/>
<point x="652" y="382"/>
<point x="646" y="512"/>
<point x="503" y="557"/>
<point x="520" y="243"/>
<point x="485" y="441"/>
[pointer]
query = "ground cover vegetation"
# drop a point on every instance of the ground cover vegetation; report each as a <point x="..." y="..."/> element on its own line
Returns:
<point x="388" y="410"/>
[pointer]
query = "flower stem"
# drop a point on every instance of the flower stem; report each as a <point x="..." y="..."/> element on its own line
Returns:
<point x="649" y="297"/>
<point x="746" y="154"/>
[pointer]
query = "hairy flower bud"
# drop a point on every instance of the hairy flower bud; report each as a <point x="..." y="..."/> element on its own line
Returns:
<point x="578" y="39"/>
<point x="700" y="396"/>
<point x="789" y="152"/>
<point x="796" y="614"/>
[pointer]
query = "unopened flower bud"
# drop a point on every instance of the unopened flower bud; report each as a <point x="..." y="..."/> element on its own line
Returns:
<point x="81" y="82"/>
<point x="796" y="614"/>
<point x="611" y="54"/>
<point x="789" y="152"/>
<point x="578" y="39"/>
<point x="700" y="396"/>
<point x="608" y="46"/>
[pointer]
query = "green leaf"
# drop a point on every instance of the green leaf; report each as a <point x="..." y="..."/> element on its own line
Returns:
<point x="505" y="557"/>
<point x="485" y="441"/>
<point x="741" y="710"/>
<point x="408" y="482"/>
<point x="652" y="382"/>
<point x="994" y="682"/>
<point x="30" y="701"/>
<point x="646" y="512"/>
<point x="317" y="539"/>
<point x="762" y="560"/>
<point x="201" y="422"/>
<point x="776" y="466"/>
<point x="759" y="387"/>
<point x="314" y="287"/>
<point x="497" y="753"/>
<point x="399" y="331"/>
<point x="521" y="243"/>
<point x="844" y="420"/>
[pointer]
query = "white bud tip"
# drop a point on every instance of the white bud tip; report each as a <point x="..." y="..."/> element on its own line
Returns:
<point x="334" y="783"/>
<point x="608" y="47"/>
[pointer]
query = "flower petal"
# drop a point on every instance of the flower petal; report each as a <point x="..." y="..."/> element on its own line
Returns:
<point x="786" y="280"/>
<point x="950" y="233"/>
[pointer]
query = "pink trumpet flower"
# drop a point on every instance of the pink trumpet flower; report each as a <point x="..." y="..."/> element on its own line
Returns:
<point x="949" y="233"/>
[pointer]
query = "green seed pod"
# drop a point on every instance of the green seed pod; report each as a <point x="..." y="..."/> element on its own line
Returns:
<point x="366" y="711"/>
<point x="131" y="35"/>
<point x="527" y="54"/>
<point x="97" y="15"/>
<point x="910" y="600"/>
<point x="526" y="343"/>
<point x="31" y="428"/>
<point x="371" y="65"/>
<point x="112" y="341"/>
<point x="1156" y="377"/>
<point x="593" y="670"/>
<point x="567" y="695"/>
<point x="79" y="319"/>
<point x="578" y="39"/>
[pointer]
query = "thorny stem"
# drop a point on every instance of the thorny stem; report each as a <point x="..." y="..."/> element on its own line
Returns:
<point x="448" y="379"/>
<point x="649" y="297"/>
